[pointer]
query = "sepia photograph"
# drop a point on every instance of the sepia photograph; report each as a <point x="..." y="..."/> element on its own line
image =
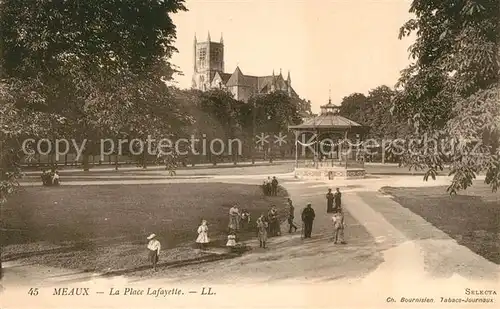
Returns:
<point x="249" y="154"/>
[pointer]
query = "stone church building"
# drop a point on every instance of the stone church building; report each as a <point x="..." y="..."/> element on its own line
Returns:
<point x="209" y="74"/>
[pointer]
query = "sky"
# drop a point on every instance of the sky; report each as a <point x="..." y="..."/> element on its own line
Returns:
<point x="344" y="45"/>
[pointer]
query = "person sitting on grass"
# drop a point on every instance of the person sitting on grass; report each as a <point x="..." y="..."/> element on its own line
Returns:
<point x="55" y="178"/>
<point x="46" y="178"/>
<point x="338" y="228"/>
<point x="231" y="240"/>
<point x="154" y="247"/>
<point x="203" y="239"/>
<point x="234" y="245"/>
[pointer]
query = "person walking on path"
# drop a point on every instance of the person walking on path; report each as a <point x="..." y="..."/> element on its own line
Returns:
<point x="338" y="228"/>
<point x="291" y="216"/>
<point x="308" y="216"/>
<point x="202" y="240"/>
<point x="329" y="201"/>
<point x="262" y="231"/>
<point x="338" y="201"/>
<point x="154" y="247"/>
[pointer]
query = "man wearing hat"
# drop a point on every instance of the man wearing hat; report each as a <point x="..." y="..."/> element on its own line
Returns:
<point x="154" y="247"/>
<point x="329" y="201"/>
<point x="308" y="218"/>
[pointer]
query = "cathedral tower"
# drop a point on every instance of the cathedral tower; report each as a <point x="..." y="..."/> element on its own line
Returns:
<point x="208" y="60"/>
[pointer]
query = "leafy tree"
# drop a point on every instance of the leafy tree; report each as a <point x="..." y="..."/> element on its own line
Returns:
<point x="383" y="124"/>
<point x="275" y="111"/>
<point x="91" y="62"/>
<point x="82" y="69"/>
<point x="218" y="107"/>
<point x="303" y="106"/>
<point x="15" y="125"/>
<point x="354" y="107"/>
<point x="451" y="90"/>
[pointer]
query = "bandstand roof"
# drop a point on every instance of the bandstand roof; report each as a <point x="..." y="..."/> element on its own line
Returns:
<point x="329" y="118"/>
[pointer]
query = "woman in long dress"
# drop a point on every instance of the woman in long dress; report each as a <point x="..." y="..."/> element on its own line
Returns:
<point x="234" y="219"/>
<point x="203" y="239"/>
<point x="262" y="231"/>
<point x="274" y="224"/>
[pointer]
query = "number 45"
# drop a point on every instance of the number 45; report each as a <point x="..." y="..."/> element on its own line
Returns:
<point x="33" y="291"/>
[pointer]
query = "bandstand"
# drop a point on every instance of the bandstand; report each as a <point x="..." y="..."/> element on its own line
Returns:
<point x="329" y="147"/>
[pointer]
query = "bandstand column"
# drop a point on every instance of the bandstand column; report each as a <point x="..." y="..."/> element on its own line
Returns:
<point x="345" y="139"/>
<point x="340" y="151"/>
<point x="296" y="150"/>
<point x="316" y="155"/>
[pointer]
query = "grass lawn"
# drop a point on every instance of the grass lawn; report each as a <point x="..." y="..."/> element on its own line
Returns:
<point x="102" y="228"/>
<point x="472" y="217"/>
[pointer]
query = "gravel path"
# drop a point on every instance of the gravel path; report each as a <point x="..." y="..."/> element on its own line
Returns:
<point x="391" y="252"/>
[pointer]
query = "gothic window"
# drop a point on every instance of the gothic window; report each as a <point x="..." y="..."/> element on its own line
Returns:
<point x="202" y="54"/>
<point x="215" y="55"/>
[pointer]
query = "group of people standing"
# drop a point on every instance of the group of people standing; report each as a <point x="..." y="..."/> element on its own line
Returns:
<point x="238" y="220"/>
<point x="334" y="205"/>
<point x="333" y="201"/>
<point x="270" y="186"/>
<point x="267" y="225"/>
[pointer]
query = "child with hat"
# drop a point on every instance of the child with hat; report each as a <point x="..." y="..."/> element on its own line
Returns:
<point x="154" y="247"/>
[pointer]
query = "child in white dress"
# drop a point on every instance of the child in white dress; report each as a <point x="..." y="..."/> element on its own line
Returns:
<point x="203" y="239"/>
<point x="231" y="240"/>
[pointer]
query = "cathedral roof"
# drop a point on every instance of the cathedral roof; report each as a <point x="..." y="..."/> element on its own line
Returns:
<point x="224" y="76"/>
<point x="237" y="78"/>
<point x="264" y="81"/>
<point x="259" y="83"/>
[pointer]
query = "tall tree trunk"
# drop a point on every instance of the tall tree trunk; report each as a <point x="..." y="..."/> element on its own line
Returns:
<point x="271" y="142"/>
<point x="144" y="160"/>
<point x="86" y="165"/>
<point x="1" y="268"/>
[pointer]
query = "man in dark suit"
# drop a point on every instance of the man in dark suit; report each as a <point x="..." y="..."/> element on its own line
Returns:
<point x="338" y="200"/>
<point x="274" y="186"/>
<point x="291" y="216"/>
<point x="308" y="218"/>
<point x="329" y="201"/>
